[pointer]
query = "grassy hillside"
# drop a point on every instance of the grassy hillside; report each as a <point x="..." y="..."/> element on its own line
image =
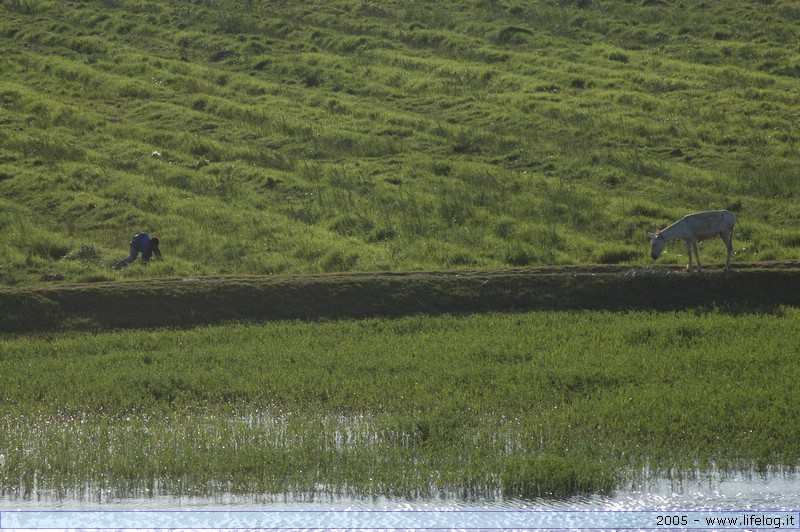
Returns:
<point x="260" y="137"/>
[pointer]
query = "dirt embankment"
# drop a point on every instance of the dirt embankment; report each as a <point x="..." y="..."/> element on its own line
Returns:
<point x="195" y="301"/>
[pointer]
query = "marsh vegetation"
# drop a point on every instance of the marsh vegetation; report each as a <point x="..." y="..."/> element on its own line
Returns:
<point x="521" y="405"/>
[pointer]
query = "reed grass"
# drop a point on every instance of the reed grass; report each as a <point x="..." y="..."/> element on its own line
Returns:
<point x="514" y="405"/>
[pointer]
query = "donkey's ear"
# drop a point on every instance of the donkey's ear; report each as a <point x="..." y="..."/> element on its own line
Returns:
<point x="651" y="235"/>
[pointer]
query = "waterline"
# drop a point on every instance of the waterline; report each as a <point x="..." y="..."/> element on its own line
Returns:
<point x="755" y="500"/>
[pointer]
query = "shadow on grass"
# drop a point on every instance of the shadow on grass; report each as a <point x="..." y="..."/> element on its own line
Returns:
<point x="198" y="301"/>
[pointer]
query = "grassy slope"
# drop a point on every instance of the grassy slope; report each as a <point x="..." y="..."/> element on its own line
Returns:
<point x="359" y="135"/>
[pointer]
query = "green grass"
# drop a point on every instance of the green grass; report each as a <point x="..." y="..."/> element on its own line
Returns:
<point x="547" y="404"/>
<point x="347" y="136"/>
<point x="362" y="136"/>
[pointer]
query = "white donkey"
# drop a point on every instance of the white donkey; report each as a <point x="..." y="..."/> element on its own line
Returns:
<point x="694" y="227"/>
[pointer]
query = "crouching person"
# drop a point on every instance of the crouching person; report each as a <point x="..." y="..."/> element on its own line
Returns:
<point x="144" y="243"/>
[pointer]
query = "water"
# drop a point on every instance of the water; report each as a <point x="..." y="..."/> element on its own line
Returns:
<point x="756" y="502"/>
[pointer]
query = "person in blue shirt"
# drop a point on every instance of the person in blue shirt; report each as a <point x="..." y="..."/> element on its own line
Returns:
<point x="144" y="243"/>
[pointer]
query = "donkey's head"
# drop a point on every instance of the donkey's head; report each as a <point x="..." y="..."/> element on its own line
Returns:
<point x="657" y="243"/>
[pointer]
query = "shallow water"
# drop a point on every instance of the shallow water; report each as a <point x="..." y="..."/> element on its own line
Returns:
<point x="756" y="502"/>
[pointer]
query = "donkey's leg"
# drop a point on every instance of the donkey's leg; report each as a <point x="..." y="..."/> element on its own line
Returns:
<point x="727" y="237"/>
<point x="697" y="256"/>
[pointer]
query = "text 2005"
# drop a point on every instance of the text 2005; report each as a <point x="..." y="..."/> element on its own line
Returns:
<point x="671" y="520"/>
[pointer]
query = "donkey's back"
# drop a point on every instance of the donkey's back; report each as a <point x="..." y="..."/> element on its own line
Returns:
<point x="710" y="224"/>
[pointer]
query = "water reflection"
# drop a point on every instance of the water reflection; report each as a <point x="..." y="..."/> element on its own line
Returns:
<point x="712" y="492"/>
<point x="774" y="492"/>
